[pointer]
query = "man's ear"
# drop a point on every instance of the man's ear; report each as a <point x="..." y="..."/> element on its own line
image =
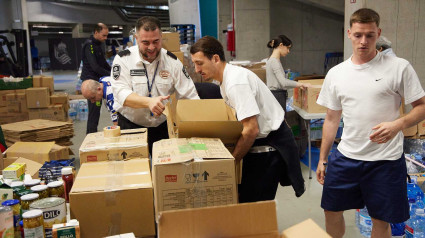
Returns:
<point x="216" y="58"/>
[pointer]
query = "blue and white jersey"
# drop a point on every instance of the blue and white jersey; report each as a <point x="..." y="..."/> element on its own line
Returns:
<point x="113" y="106"/>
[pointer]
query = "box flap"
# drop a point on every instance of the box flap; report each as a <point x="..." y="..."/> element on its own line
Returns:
<point x="201" y="110"/>
<point x="31" y="150"/>
<point x="307" y="228"/>
<point x="179" y="150"/>
<point x="227" y="131"/>
<point x="113" y="175"/>
<point x="32" y="166"/>
<point x="129" y="139"/>
<point x="239" y="220"/>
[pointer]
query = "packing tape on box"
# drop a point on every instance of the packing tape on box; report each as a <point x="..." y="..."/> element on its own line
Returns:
<point x="111" y="131"/>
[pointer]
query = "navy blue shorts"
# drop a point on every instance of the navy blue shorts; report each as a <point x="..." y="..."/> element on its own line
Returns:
<point x="380" y="185"/>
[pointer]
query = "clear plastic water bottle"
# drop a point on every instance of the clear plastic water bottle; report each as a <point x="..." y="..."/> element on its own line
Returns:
<point x="365" y="223"/>
<point x="72" y="113"/>
<point x="408" y="229"/>
<point x="83" y="110"/>
<point x="397" y="230"/>
<point x="419" y="224"/>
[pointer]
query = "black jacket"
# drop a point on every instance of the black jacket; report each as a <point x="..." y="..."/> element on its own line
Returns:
<point x="94" y="62"/>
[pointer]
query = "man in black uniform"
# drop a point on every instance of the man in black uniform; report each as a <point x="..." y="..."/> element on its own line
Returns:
<point x="95" y="67"/>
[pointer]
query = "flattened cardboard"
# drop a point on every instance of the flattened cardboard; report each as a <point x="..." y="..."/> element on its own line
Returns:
<point x="131" y="144"/>
<point x="113" y="197"/>
<point x="209" y="118"/>
<point x="38" y="97"/>
<point x="195" y="172"/>
<point x="307" y="228"/>
<point x="238" y="220"/>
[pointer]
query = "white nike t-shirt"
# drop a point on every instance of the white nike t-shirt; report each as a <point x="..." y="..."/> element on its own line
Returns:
<point x="369" y="94"/>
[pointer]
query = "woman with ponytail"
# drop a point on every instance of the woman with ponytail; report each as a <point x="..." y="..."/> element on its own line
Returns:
<point x="276" y="80"/>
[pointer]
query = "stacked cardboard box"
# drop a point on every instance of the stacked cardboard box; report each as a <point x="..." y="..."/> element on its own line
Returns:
<point x="113" y="197"/>
<point x="39" y="130"/>
<point x="171" y="42"/>
<point x="13" y="106"/>
<point x="195" y="172"/>
<point x="41" y="81"/>
<point x="132" y="143"/>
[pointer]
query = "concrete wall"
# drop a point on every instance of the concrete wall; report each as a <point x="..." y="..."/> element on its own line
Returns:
<point x="252" y="29"/>
<point x="185" y="12"/>
<point x="403" y="23"/>
<point x="46" y="11"/>
<point x="313" y="32"/>
<point x="224" y="11"/>
<point x="6" y="18"/>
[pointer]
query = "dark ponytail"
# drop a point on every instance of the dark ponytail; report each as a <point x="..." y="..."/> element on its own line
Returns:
<point x="278" y="40"/>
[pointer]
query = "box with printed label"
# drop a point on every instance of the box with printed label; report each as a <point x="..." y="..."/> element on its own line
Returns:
<point x="254" y="220"/>
<point x="113" y="197"/>
<point x="189" y="173"/>
<point x="131" y="144"/>
<point x="14" y="171"/>
<point x="38" y="97"/>
<point x="309" y="96"/>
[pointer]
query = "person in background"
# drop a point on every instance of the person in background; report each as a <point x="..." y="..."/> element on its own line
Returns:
<point x="145" y="75"/>
<point x="368" y="167"/>
<point x="95" y="91"/>
<point x="94" y="67"/>
<point x="275" y="74"/>
<point x="266" y="145"/>
<point x="384" y="45"/>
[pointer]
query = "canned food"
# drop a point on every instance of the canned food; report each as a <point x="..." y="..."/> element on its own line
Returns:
<point x="30" y="183"/>
<point x="56" y="189"/>
<point x="17" y="186"/>
<point x="41" y="190"/>
<point x="6" y="222"/>
<point x="33" y="223"/>
<point x="54" y="212"/>
<point x="22" y="192"/>
<point x="16" y="209"/>
<point x="26" y="200"/>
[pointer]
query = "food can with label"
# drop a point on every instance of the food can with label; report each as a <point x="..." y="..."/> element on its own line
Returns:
<point x="33" y="223"/>
<point x="6" y="222"/>
<point x="54" y="212"/>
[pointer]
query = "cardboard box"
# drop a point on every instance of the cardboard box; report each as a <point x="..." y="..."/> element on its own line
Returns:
<point x="113" y="197"/>
<point x="52" y="112"/>
<point x="32" y="167"/>
<point x="190" y="173"/>
<point x="239" y="220"/>
<point x="39" y="81"/>
<point x="421" y="128"/>
<point x="38" y="151"/>
<point x="131" y="144"/>
<point x="10" y="117"/>
<point x="179" y="55"/>
<point x="38" y="97"/>
<point x="60" y="99"/>
<point x="14" y="171"/>
<point x="171" y="41"/>
<point x="411" y="131"/>
<point x="16" y="102"/>
<point x="298" y="92"/>
<point x="3" y="101"/>
<point x="307" y="228"/>
<point x="209" y="118"/>
<point x="260" y="70"/>
<point x="127" y="235"/>
<point x="309" y="96"/>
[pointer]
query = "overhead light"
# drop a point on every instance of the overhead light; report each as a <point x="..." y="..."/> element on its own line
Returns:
<point x="120" y="28"/>
<point x="115" y="32"/>
<point x="114" y="26"/>
<point x="60" y="32"/>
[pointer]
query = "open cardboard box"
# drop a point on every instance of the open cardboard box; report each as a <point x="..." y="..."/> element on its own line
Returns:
<point x="208" y="118"/>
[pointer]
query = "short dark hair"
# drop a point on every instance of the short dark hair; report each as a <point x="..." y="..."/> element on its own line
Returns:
<point x="148" y="23"/>
<point x="273" y="43"/>
<point x="209" y="46"/>
<point x="99" y="27"/>
<point x="364" y="15"/>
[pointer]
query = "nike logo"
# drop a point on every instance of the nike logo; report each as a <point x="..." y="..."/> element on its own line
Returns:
<point x="377" y="79"/>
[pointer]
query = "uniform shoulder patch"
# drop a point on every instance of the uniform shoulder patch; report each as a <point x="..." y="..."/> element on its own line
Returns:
<point x="124" y="53"/>
<point x="116" y="71"/>
<point x="171" y="55"/>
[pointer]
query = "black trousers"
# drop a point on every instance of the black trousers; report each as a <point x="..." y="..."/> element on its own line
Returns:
<point x="281" y="96"/>
<point x="93" y="118"/>
<point x="154" y="133"/>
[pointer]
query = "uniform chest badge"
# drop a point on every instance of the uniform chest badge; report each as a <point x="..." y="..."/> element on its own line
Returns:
<point x="164" y="74"/>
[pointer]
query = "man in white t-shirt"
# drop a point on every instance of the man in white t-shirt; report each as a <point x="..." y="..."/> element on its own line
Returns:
<point x="266" y="144"/>
<point x="368" y="168"/>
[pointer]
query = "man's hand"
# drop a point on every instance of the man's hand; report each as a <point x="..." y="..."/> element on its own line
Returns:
<point x="385" y="131"/>
<point x="156" y="106"/>
<point x="304" y="86"/>
<point x="321" y="172"/>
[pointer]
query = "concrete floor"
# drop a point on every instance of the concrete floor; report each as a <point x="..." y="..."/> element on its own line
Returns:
<point x="290" y="209"/>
